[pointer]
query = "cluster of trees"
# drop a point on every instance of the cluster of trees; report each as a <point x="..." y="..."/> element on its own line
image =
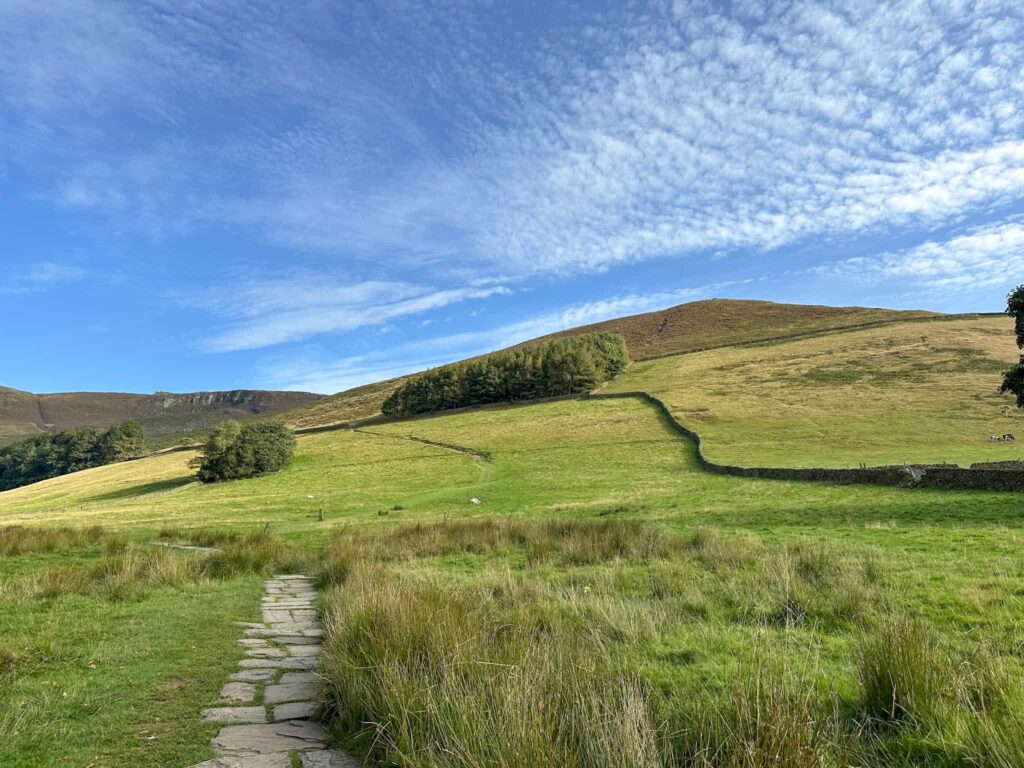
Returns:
<point x="236" y="450"/>
<point x="44" y="456"/>
<point x="558" y="367"/>
<point x="1013" y="381"/>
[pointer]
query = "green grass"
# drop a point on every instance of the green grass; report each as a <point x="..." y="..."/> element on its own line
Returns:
<point x="916" y="392"/>
<point x="609" y="643"/>
<point x="90" y="680"/>
<point x="695" y="581"/>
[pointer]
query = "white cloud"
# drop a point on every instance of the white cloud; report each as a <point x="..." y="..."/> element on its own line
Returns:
<point x="985" y="257"/>
<point x="682" y="129"/>
<point x="270" y="312"/>
<point x="353" y="371"/>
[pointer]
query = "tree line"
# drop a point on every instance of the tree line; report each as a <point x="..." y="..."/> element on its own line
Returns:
<point x="44" y="456"/>
<point x="562" y="366"/>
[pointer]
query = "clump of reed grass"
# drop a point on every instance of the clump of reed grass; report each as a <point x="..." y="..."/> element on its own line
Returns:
<point x="902" y="672"/>
<point x="20" y="539"/>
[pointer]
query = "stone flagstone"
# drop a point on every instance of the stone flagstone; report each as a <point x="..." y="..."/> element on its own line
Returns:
<point x="296" y="710"/>
<point x="290" y="736"/>
<point x="244" y="692"/>
<point x="235" y="715"/>
<point x="276" y="694"/>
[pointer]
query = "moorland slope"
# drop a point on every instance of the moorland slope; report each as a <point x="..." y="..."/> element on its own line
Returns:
<point x="163" y="415"/>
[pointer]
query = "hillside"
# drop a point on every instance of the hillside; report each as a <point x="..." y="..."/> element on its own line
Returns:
<point x="720" y="322"/>
<point x="163" y="415"/>
<point x="904" y="392"/>
<point x="683" y="328"/>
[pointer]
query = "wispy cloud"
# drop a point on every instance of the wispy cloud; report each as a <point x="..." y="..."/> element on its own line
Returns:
<point x="352" y="371"/>
<point x="983" y="257"/>
<point x="40" y="276"/>
<point x="270" y="312"/>
<point x="689" y="128"/>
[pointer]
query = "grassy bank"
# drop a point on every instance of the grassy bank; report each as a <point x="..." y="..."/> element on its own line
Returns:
<point x="109" y="648"/>
<point x="565" y="643"/>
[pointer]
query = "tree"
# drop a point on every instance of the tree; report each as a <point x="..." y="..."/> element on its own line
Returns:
<point x="235" y="451"/>
<point x="1013" y="380"/>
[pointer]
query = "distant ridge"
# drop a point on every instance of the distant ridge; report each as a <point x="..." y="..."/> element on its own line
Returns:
<point x="683" y="328"/>
<point x="163" y="415"/>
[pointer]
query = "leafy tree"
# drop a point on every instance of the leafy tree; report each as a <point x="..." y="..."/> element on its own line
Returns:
<point x="236" y="450"/>
<point x="1013" y="380"/>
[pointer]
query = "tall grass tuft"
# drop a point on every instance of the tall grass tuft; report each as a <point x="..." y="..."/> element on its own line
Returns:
<point x="902" y="672"/>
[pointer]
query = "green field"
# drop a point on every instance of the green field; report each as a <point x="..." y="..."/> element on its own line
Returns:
<point x="687" y="584"/>
<point x="915" y="392"/>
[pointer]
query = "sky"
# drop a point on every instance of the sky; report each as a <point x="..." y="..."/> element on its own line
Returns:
<point x="315" y="195"/>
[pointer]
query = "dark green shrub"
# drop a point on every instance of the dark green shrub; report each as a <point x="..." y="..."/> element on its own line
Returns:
<point x="235" y="451"/>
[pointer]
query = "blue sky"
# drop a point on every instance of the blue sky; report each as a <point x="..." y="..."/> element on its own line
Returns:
<point x="314" y="195"/>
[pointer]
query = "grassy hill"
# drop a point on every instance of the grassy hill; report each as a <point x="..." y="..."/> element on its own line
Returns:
<point x="676" y="330"/>
<point x="904" y="392"/>
<point x="163" y="415"/>
<point x="596" y="538"/>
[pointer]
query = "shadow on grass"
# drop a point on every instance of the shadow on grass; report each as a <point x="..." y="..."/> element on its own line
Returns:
<point x="144" y="488"/>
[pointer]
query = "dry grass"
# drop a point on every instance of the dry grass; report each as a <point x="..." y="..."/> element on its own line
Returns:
<point x="911" y="392"/>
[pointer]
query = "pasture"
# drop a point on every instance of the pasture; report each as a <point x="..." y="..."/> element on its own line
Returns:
<point x="921" y="392"/>
<point x="594" y="523"/>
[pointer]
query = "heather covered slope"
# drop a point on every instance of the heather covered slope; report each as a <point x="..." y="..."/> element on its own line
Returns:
<point x="163" y="415"/>
<point x="721" y="322"/>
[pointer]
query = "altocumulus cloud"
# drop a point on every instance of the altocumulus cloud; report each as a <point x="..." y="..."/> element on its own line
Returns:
<point x="983" y="257"/>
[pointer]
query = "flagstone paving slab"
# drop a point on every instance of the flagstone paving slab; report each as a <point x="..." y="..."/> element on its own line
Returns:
<point x="295" y="640"/>
<point x="299" y="677"/>
<point x="243" y="692"/>
<point x="296" y="710"/>
<point x="290" y="736"/>
<point x="300" y="663"/>
<point x="254" y="675"/>
<point x="235" y="715"/>
<point x="276" y="694"/>
<point x="305" y="650"/>
<point x="328" y="759"/>
<point x="277" y="760"/>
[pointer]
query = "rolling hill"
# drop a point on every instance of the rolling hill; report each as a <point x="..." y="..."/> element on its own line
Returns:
<point x="163" y="415"/>
<point x="681" y="329"/>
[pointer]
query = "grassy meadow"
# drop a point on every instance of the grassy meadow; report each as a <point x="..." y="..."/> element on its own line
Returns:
<point x="605" y="603"/>
<point x="910" y="392"/>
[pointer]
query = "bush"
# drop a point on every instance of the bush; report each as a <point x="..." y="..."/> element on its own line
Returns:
<point x="235" y="451"/>
<point x="558" y="367"/>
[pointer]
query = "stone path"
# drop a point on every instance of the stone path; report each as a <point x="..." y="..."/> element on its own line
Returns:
<point x="269" y="707"/>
